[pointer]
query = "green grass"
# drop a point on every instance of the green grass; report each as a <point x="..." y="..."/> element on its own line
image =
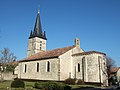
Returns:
<point x="5" y="84"/>
<point x="29" y="85"/>
<point x="81" y="86"/>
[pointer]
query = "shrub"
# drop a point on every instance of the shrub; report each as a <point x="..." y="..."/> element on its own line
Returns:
<point x="70" y="81"/>
<point x="40" y="85"/>
<point x="113" y="80"/>
<point x="67" y="88"/>
<point x="53" y="86"/>
<point x="80" y="82"/>
<point x="17" y="84"/>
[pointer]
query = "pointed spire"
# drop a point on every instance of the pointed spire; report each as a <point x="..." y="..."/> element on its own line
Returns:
<point x="38" y="28"/>
<point x="44" y="35"/>
<point x="31" y="34"/>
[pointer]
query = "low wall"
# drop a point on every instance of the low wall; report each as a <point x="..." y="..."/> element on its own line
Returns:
<point x="7" y="76"/>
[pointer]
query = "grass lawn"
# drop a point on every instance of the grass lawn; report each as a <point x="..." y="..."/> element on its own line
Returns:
<point x="5" y="84"/>
<point x="29" y="85"/>
<point x="81" y="86"/>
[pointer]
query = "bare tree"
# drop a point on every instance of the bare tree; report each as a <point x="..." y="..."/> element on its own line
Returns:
<point x="110" y="64"/>
<point x="5" y="58"/>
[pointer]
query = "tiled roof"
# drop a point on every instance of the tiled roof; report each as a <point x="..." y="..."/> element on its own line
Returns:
<point x="11" y="63"/>
<point x="114" y="69"/>
<point x="89" y="52"/>
<point x="48" y="54"/>
<point x="14" y="63"/>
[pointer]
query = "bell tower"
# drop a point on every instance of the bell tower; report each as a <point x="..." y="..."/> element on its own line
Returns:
<point x="77" y="42"/>
<point x="37" y="39"/>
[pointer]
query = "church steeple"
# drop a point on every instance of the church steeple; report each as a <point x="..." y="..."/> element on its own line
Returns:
<point x="38" y="28"/>
<point x="37" y="38"/>
<point x="31" y="34"/>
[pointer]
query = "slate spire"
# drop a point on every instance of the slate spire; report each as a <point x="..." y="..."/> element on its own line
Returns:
<point x="31" y="34"/>
<point x="38" y="28"/>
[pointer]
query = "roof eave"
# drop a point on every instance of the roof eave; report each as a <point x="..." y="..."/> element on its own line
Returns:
<point x="88" y="53"/>
<point x="38" y="59"/>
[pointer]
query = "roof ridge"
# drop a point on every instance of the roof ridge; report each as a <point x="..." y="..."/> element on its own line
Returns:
<point x="89" y="52"/>
<point x="48" y="54"/>
<point x="60" y="48"/>
<point x="54" y="49"/>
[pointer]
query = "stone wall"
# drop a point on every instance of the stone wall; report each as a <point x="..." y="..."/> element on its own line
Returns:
<point x="75" y="73"/>
<point x="61" y="67"/>
<point x="42" y="74"/>
<point x="7" y="76"/>
<point x="94" y="67"/>
<point x="36" y="45"/>
<point x="66" y="69"/>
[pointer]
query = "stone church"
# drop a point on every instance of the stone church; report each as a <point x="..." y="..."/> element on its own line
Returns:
<point x="61" y="63"/>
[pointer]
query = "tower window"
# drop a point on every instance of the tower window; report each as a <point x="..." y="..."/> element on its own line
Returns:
<point x="40" y="48"/>
<point x="40" y="41"/>
<point x="40" y="44"/>
<point x="37" y="67"/>
<point x="25" y="67"/>
<point x="48" y="66"/>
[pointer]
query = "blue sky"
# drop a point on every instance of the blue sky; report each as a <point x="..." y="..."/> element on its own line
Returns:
<point x="95" y="22"/>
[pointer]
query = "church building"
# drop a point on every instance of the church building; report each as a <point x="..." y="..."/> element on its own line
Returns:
<point x="61" y="63"/>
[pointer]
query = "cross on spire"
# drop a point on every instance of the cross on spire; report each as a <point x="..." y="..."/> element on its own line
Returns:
<point x="38" y="9"/>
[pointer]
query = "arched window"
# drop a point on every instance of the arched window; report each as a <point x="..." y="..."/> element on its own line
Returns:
<point x="48" y="66"/>
<point x="78" y="67"/>
<point x="37" y="67"/>
<point x="25" y="67"/>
